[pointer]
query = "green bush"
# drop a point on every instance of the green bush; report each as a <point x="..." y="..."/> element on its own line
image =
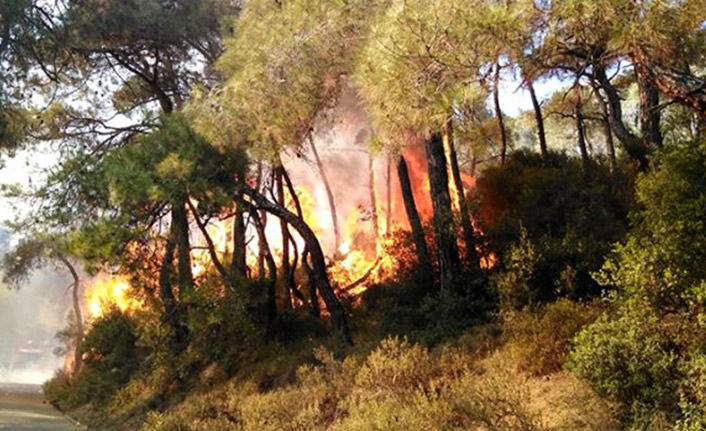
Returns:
<point x="550" y="225"/>
<point x="630" y="361"/>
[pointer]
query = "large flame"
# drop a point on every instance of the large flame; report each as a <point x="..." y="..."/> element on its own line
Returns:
<point x="105" y="293"/>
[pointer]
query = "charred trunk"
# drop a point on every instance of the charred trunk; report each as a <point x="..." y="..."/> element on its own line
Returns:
<point x="447" y="249"/>
<point x="649" y="114"/>
<point x="338" y="316"/>
<point x="472" y="258"/>
<point x="271" y="284"/>
<point x="415" y="222"/>
<point x="286" y="237"/>
<point x="171" y="313"/>
<point x="239" y="266"/>
<point x="373" y="201"/>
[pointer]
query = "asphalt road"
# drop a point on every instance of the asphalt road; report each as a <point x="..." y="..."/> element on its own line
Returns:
<point x="22" y="407"/>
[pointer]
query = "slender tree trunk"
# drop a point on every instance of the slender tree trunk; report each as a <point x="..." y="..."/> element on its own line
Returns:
<point x="313" y="297"/>
<point x="171" y="307"/>
<point x="415" y="222"/>
<point x="499" y="114"/>
<point x="76" y="297"/>
<point x="185" y="277"/>
<point x="271" y="287"/>
<point x="329" y="193"/>
<point x="286" y="285"/>
<point x="335" y="309"/>
<point x="373" y="201"/>
<point x="472" y="258"/>
<point x="539" y="118"/>
<point x="213" y="253"/>
<point x="578" y="115"/>
<point x="649" y="114"/>
<point x="449" y="261"/>
<point x="633" y="146"/>
<point x="239" y="264"/>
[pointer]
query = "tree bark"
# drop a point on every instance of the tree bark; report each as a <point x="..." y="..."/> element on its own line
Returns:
<point x="581" y="131"/>
<point x="472" y="258"/>
<point x="415" y="222"/>
<point x="610" y="146"/>
<point x="634" y="147"/>
<point x="338" y="315"/>
<point x="539" y="118"/>
<point x="499" y="114"/>
<point x="185" y="277"/>
<point x="677" y="83"/>
<point x="329" y="193"/>
<point x="649" y="114"/>
<point x="286" y="237"/>
<point x="449" y="261"/>
<point x="271" y="287"/>
<point x="171" y="307"/>
<point x="239" y="264"/>
<point x="76" y="297"/>
<point x="388" y="217"/>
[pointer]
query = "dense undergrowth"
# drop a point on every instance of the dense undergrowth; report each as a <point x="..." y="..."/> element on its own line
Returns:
<point x="589" y="321"/>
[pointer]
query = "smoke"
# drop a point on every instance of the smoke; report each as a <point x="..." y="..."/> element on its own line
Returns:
<point x="30" y="317"/>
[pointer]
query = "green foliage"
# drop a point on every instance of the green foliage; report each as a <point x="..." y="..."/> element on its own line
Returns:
<point x="647" y="353"/>
<point x="550" y="225"/>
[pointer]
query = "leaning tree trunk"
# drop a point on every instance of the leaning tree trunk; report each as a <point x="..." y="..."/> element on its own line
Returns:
<point x="210" y="245"/>
<point x="313" y="296"/>
<point x="499" y="114"/>
<point x="472" y="258"/>
<point x="634" y="146"/>
<point x="539" y="118"/>
<point x="679" y="84"/>
<point x="286" y="237"/>
<point x="329" y="193"/>
<point x="271" y="287"/>
<point x="338" y="314"/>
<point x="610" y="145"/>
<point x="415" y="222"/>
<point x="449" y="261"/>
<point x="649" y="114"/>
<point x="75" y="293"/>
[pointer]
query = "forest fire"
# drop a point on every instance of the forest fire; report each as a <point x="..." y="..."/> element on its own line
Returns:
<point x="106" y="293"/>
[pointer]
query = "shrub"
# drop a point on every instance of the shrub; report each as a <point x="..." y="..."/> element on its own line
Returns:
<point x="628" y="360"/>
<point x="541" y="340"/>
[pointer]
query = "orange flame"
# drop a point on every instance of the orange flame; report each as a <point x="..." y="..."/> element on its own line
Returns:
<point x="106" y="293"/>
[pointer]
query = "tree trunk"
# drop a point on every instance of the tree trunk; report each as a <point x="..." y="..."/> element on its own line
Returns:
<point x="539" y="118"/>
<point x="678" y="84"/>
<point x="449" y="261"/>
<point x="185" y="277"/>
<point x="649" y="114"/>
<point x="286" y="237"/>
<point x="76" y="297"/>
<point x="610" y="146"/>
<point x="580" y="130"/>
<point x="499" y="114"/>
<point x="329" y="193"/>
<point x="213" y="253"/>
<point x="239" y="264"/>
<point x="634" y="146"/>
<point x="313" y="297"/>
<point x="335" y="309"/>
<point x="472" y="258"/>
<point x="271" y="287"/>
<point x="171" y="307"/>
<point x="415" y="222"/>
